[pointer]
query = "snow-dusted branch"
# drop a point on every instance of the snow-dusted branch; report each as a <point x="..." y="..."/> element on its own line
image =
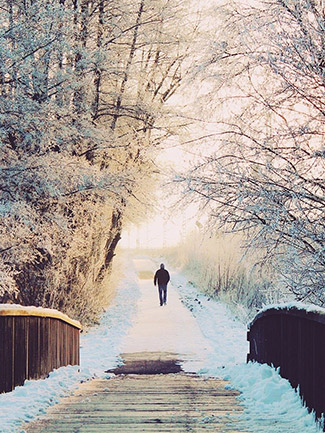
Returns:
<point x="265" y="174"/>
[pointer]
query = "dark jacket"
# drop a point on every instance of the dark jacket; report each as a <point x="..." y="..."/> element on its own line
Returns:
<point x="162" y="276"/>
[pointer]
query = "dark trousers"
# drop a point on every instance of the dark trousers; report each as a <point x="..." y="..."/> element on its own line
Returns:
<point x="162" y="293"/>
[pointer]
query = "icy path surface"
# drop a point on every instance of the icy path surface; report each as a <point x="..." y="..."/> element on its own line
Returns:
<point x="191" y="324"/>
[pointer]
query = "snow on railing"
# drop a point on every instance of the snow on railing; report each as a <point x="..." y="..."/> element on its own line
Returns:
<point x="33" y="342"/>
<point x="292" y="337"/>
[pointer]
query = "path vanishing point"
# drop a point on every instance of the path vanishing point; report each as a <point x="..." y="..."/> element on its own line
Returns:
<point x="150" y="392"/>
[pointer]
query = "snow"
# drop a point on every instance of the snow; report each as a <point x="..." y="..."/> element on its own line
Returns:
<point x="211" y="341"/>
<point x="294" y="305"/>
<point x="40" y="310"/>
<point x="228" y="337"/>
<point x="36" y="311"/>
<point x="271" y="404"/>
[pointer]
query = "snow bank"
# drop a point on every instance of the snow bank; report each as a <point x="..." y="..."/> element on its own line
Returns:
<point x="28" y="401"/>
<point x="293" y="306"/>
<point x="227" y="336"/>
<point x="296" y="305"/>
<point x="271" y="404"/>
<point x="101" y="346"/>
<point x="99" y="352"/>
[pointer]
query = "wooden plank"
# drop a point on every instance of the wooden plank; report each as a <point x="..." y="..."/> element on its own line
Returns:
<point x="74" y="358"/>
<point x="4" y="347"/>
<point x="20" y="363"/>
<point x="7" y="354"/>
<point x="44" y="347"/>
<point x="34" y="360"/>
<point x="318" y="369"/>
<point x="290" y="349"/>
<point x="66" y="346"/>
<point x="306" y="362"/>
<point x="56" y="343"/>
<point x="54" y="361"/>
<point x="144" y="403"/>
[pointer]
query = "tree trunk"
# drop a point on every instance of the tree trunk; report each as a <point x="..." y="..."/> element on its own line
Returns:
<point x="98" y="72"/>
<point x="111" y="243"/>
<point x="81" y="9"/>
<point x="128" y="66"/>
<point x="13" y="75"/>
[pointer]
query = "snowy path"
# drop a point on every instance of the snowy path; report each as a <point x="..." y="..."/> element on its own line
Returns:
<point x="205" y="330"/>
<point x="171" y="328"/>
<point x="155" y="402"/>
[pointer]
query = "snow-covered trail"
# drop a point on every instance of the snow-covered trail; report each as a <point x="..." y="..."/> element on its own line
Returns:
<point x="191" y="324"/>
<point x="170" y="328"/>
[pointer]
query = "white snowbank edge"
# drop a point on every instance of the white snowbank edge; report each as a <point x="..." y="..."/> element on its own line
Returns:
<point x="287" y="306"/>
<point x="21" y="310"/>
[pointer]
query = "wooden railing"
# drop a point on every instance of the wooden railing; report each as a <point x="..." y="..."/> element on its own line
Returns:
<point x="33" y="342"/>
<point x="294" y="340"/>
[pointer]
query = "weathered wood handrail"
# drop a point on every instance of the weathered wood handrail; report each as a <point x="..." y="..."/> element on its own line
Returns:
<point x="293" y="338"/>
<point x="33" y="342"/>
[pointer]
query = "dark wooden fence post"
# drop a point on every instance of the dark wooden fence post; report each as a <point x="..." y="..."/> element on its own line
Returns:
<point x="33" y="342"/>
<point x="293" y="339"/>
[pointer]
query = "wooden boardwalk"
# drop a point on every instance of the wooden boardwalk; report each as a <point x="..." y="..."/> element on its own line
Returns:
<point x="173" y="402"/>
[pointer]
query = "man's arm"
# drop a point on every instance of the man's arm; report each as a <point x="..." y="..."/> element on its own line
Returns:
<point x="168" y="276"/>
<point x="155" y="279"/>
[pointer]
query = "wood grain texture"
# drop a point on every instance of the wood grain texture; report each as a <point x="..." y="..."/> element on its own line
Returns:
<point x="175" y="402"/>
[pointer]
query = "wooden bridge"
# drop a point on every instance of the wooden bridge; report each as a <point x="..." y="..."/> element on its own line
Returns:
<point x="150" y="392"/>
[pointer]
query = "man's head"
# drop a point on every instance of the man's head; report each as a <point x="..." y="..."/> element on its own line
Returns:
<point x="162" y="266"/>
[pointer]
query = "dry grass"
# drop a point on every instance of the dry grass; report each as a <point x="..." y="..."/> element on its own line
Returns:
<point x="217" y="267"/>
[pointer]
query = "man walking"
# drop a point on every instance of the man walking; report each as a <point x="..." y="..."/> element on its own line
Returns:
<point x="162" y="277"/>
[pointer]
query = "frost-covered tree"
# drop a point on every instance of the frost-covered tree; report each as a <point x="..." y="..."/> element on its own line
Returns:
<point x="264" y="173"/>
<point x="82" y="91"/>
